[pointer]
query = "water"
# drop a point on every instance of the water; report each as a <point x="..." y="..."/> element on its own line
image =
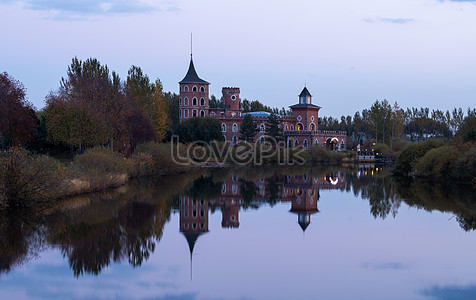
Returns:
<point x="248" y="234"/>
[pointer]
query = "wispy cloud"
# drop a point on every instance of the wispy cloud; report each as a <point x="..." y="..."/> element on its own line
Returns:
<point x="384" y="266"/>
<point x="78" y="8"/>
<point x="390" y="20"/>
<point x="452" y="292"/>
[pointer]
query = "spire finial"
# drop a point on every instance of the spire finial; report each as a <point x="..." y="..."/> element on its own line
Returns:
<point x="305" y="83"/>
<point x="191" y="48"/>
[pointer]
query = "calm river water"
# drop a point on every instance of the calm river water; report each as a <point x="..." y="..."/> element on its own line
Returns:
<point x="248" y="234"/>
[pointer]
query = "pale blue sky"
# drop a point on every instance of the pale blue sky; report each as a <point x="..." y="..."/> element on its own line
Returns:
<point x="350" y="53"/>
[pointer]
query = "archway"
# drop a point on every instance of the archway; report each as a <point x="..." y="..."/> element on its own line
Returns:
<point x="331" y="143"/>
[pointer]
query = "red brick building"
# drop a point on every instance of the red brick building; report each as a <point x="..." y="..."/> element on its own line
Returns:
<point x="300" y="129"/>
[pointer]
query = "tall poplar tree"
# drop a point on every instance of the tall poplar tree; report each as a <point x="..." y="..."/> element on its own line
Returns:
<point x="248" y="129"/>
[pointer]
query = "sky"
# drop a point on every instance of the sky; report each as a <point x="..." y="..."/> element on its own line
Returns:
<point x="419" y="53"/>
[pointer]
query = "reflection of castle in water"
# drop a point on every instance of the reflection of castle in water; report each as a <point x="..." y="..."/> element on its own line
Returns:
<point x="302" y="191"/>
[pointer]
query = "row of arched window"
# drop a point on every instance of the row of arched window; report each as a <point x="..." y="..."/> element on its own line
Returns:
<point x="185" y="88"/>
<point x="299" y="126"/>
<point x="194" y="113"/>
<point x="194" y="101"/>
<point x="234" y="127"/>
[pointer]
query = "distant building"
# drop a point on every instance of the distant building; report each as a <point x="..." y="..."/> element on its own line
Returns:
<point x="300" y="129"/>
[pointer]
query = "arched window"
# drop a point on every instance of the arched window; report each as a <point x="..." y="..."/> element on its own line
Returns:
<point x="202" y="101"/>
<point x="316" y="142"/>
<point x="292" y="127"/>
<point x="202" y="113"/>
<point x="202" y="89"/>
<point x="312" y="127"/>
<point x="194" y="113"/>
<point x="180" y="113"/>
<point x="185" y="88"/>
<point x="234" y="140"/>
<point x="290" y="143"/>
<point x="186" y="113"/>
<point x="296" y="143"/>
<point x="286" y="127"/>
<point x="213" y="114"/>
<point x="223" y="127"/>
<point x="194" y="101"/>
<point x="305" y="144"/>
<point x="235" y="127"/>
<point x="194" y="89"/>
<point x="262" y="128"/>
<point x="180" y="101"/>
<point x="299" y="126"/>
<point x="185" y="101"/>
<point x="234" y="189"/>
<point x="261" y="140"/>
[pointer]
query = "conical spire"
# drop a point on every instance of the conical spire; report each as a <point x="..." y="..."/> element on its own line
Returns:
<point x="192" y="76"/>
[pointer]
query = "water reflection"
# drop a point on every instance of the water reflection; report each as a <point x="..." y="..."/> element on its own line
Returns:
<point x="126" y="224"/>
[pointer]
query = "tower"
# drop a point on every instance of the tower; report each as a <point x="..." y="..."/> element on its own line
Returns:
<point x="231" y="97"/>
<point x="194" y="93"/>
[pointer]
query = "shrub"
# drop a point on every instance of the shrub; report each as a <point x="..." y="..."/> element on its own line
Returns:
<point x="99" y="168"/>
<point x="29" y="181"/>
<point x="437" y="162"/>
<point x="465" y="167"/>
<point x="409" y="156"/>
<point x="156" y="159"/>
<point x="320" y="155"/>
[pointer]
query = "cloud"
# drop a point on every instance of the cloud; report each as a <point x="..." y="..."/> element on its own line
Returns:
<point x="448" y="293"/>
<point x="390" y="20"/>
<point x="77" y="8"/>
<point x="384" y="266"/>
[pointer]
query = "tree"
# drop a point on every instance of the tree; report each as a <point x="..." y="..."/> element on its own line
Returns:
<point x="200" y="129"/>
<point x="248" y="129"/>
<point x="273" y="131"/>
<point x="17" y="117"/>
<point x="161" y="119"/>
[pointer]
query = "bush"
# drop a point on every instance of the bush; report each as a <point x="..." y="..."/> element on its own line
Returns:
<point x="99" y="168"/>
<point x="465" y="167"/>
<point x="409" y="156"/>
<point x="29" y="181"/>
<point x="320" y="155"/>
<point x="437" y="162"/>
<point x="156" y="159"/>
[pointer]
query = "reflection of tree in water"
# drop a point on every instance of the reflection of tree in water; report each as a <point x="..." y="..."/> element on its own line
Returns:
<point x="131" y="233"/>
<point x="205" y="188"/>
<point x="248" y="192"/>
<point x="20" y="238"/>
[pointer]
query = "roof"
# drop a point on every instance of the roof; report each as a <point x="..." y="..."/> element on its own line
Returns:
<point x="304" y="105"/>
<point x="192" y="76"/>
<point x="305" y="92"/>
<point x="260" y="114"/>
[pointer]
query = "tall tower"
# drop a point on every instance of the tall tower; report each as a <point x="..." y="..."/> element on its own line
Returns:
<point x="194" y="93"/>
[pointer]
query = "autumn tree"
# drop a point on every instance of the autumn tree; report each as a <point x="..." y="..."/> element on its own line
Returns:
<point x="17" y="117"/>
<point x="161" y="118"/>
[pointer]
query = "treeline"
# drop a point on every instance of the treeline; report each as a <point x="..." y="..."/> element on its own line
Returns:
<point x="250" y="106"/>
<point x="389" y="124"/>
<point x="92" y="107"/>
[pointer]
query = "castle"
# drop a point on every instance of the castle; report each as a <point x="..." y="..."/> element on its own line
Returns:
<point x="299" y="129"/>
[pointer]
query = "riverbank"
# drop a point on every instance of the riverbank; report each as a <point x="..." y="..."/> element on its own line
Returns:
<point x="34" y="181"/>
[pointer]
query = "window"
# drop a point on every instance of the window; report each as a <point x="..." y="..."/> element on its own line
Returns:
<point x="292" y="127"/>
<point x="194" y="113"/>
<point x="202" y="113"/>
<point x="194" y="89"/>
<point x="185" y="101"/>
<point x="261" y="140"/>
<point x="202" y="101"/>
<point x="185" y="88"/>
<point x="223" y="127"/>
<point x="194" y="101"/>
<point x="262" y="128"/>
<point x="234" y="140"/>
<point x="316" y="142"/>
<point x="286" y="127"/>
<point x="223" y="188"/>
<point x="299" y="126"/>
<point x="235" y="127"/>
<point x="305" y="144"/>
<point x="312" y="126"/>
<point x="180" y="101"/>
<point x="202" y="89"/>
<point x="186" y="113"/>
<point x="296" y="142"/>
<point x="234" y="189"/>
<point x="290" y="143"/>
<point x="180" y="113"/>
